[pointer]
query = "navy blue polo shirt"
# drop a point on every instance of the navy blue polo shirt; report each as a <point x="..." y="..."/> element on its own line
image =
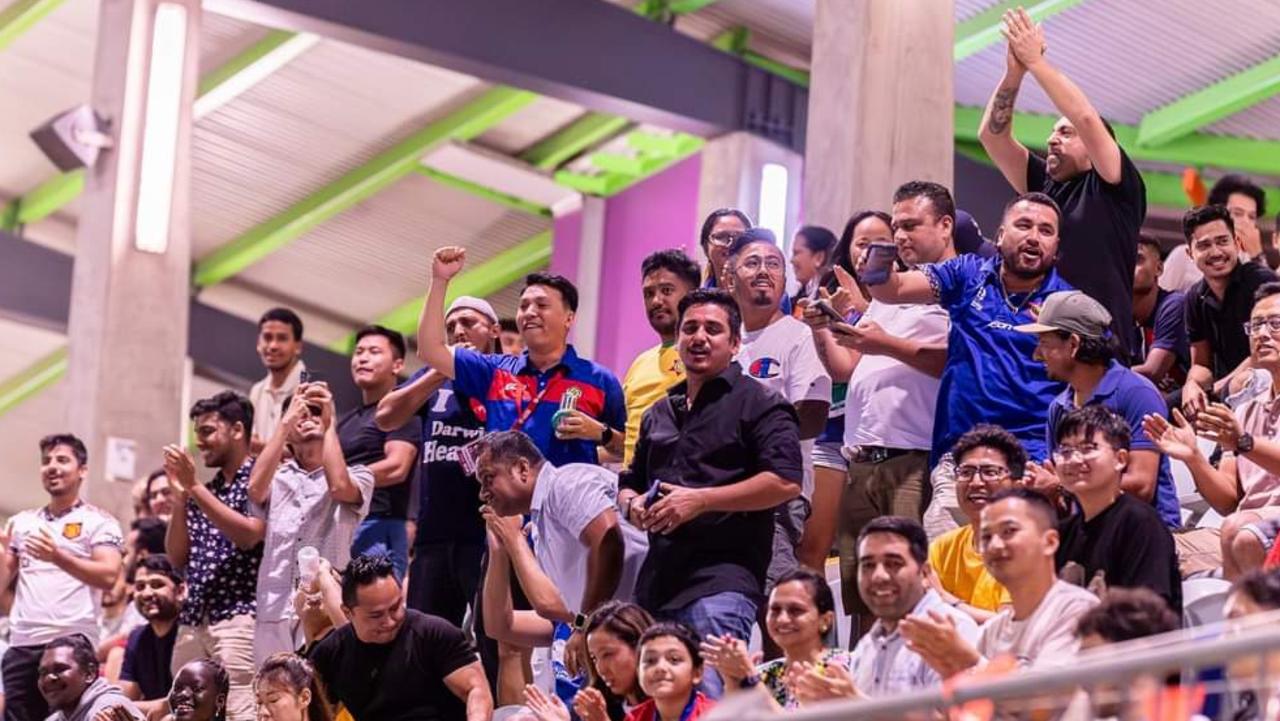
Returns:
<point x="511" y="388"/>
<point x="1131" y="396"/>
<point x="990" y="375"/>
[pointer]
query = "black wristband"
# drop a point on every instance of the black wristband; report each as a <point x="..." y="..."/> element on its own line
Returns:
<point x="606" y="436"/>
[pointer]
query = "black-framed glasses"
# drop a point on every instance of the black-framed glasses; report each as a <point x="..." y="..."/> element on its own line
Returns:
<point x="985" y="472"/>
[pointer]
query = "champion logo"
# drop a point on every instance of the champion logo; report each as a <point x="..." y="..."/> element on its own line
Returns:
<point x="765" y="368"/>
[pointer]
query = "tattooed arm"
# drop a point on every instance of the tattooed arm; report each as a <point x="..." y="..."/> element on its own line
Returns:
<point x="996" y="132"/>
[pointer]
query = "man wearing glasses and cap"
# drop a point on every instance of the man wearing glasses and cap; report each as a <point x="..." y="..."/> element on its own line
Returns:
<point x="1076" y="346"/>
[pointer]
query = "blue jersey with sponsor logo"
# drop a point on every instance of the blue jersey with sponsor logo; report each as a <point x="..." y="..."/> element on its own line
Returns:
<point x="990" y="375"/>
<point x="517" y="395"/>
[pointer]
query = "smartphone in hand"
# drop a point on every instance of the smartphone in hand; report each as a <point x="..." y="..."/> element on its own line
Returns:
<point x="879" y="263"/>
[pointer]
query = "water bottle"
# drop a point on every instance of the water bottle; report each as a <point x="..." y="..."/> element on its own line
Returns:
<point x="308" y="565"/>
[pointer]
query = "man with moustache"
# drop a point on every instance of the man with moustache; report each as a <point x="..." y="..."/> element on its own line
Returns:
<point x="714" y="459"/>
<point x="1097" y="186"/>
<point x="777" y="350"/>
<point x="990" y="375"/>
<point x="67" y="550"/>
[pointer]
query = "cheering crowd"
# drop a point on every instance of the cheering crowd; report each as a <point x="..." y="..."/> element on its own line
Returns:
<point x="982" y="431"/>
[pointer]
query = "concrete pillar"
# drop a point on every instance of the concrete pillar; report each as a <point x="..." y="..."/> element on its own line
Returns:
<point x="881" y="103"/>
<point x="128" y="325"/>
<point x="733" y="167"/>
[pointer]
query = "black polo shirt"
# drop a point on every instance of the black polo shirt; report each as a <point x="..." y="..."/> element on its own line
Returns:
<point x="1221" y="322"/>
<point x="736" y="429"/>
<point x="1098" y="244"/>
<point x="1128" y="543"/>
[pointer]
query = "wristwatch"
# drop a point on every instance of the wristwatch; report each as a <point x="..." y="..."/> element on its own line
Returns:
<point x="750" y="681"/>
<point x="580" y="621"/>
<point x="1244" y="443"/>
<point x="606" y="435"/>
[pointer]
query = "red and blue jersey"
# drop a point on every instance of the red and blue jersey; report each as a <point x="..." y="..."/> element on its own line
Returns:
<point x="517" y="395"/>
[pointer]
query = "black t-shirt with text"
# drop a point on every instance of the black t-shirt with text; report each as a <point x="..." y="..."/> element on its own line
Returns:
<point x="363" y="443"/>
<point x="398" y="681"/>
<point x="1098" y="237"/>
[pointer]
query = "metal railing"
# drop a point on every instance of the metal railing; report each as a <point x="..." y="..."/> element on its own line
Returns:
<point x="1186" y="658"/>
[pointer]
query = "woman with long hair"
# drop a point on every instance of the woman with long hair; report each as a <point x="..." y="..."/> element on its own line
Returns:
<point x="812" y="252"/>
<point x="830" y="468"/>
<point x="613" y="637"/>
<point x="288" y="688"/>
<point x="719" y="231"/>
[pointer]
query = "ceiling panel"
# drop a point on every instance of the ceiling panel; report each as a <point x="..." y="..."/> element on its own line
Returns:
<point x="330" y="110"/>
<point x="1260" y="122"/>
<point x="1131" y="58"/>
<point x="377" y="255"/>
<point x="535" y="121"/>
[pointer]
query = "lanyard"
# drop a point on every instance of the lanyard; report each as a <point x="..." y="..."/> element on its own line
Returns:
<point x="527" y="412"/>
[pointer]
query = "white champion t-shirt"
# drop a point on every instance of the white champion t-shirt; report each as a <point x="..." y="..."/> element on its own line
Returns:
<point x="782" y="356"/>
<point x="49" y="602"/>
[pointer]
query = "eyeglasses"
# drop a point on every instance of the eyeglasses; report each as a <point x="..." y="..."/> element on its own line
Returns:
<point x="987" y="473"/>
<point x="724" y="238"/>
<point x="1065" y="454"/>
<point x="1255" y="326"/>
<point x="752" y="264"/>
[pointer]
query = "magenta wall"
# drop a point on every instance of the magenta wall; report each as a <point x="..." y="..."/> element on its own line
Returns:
<point x="661" y="212"/>
<point x="566" y="238"/>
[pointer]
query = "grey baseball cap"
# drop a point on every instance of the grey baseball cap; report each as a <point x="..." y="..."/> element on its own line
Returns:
<point x="1071" y="311"/>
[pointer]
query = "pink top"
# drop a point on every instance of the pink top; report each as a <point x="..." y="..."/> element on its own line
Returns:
<point x="1260" y="488"/>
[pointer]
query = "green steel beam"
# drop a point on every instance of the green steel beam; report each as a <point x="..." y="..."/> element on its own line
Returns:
<point x="619" y="172"/>
<point x="585" y="132"/>
<point x="1225" y="97"/>
<point x="358" y="185"/>
<point x="20" y="16"/>
<point x="734" y="41"/>
<point x="45" y="200"/>
<point x="682" y="7"/>
<point x="233" y="67"/>
<point x="1196" y="149"/>
<point x="983" y="30"/>
<point x="50" y="196"/>
<point x="489" y="194"/>
<point x="32" y="379"/>
<point x="482" y="280"/>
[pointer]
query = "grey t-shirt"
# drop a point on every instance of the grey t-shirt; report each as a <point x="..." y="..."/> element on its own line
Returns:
<point x="1048" y="633"/>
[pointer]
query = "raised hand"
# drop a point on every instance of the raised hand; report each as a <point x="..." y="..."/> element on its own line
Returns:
<point x="810" y="683"/>
<point x="1194" y="399"/>
<point x="180" y="467"/>
<point x="1026" y="38"/>
<point x="1176" y="440"/>
<point x="447" y="262"/>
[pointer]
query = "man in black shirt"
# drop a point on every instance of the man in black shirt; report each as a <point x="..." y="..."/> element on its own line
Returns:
<point x="396" y="664"/>
<point x="1100" y="191"/>
<point x="1159" y="316"/>
<point x="1116" y="539"/>
<point x="1218" y="305"/>
<point x="146" y="676"/>
<point x="713" y="460"/>
<point x="378" y="359"/>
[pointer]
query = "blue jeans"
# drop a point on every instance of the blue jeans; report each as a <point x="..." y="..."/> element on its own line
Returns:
<point x="715" y="615"/>
<point x="383" y="536"/>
